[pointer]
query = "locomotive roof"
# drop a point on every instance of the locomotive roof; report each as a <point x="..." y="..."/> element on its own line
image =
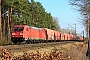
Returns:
<point x="35" y="28"/>
<point x="19" y="25"/>
<point x="28" y="26"/>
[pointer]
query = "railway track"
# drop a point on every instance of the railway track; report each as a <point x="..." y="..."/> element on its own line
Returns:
<point x="19" y="49"/>
<point x="28" y="46"/>
<point x="47" y="48"/>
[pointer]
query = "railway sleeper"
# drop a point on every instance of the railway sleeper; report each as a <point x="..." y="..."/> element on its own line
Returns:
<point x="34" y="41"/>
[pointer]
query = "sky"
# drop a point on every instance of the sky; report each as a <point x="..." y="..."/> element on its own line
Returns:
<point x="65" y="13"/>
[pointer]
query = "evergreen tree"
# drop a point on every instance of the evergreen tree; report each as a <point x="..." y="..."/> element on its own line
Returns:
<point x="33" y="13"/>
<point x="25" y="12"/>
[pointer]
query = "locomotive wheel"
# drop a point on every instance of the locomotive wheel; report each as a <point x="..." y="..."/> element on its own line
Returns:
<point x="28" y="41"/>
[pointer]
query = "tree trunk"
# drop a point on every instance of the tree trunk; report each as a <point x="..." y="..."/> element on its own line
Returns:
<point x="0" y="20"/>
<point x="10" y="24"/>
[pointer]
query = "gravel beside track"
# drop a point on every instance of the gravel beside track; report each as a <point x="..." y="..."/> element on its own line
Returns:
<point x="16" y="47"/>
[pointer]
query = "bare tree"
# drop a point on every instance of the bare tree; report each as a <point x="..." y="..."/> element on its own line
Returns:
<point x="83" y="6"/>
<point x="56" y="21"/>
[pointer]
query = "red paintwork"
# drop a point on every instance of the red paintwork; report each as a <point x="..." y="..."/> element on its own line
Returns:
<point x="57" y="35"/>
<point x="70" y="37"/>
<point x="42" y="34"/>
<point x="65" y="36"/>
<point x="16" y="34"/>
<point x="62" y="36"/>
<point x="49" y="34"/>
<point x="29" y="32"/>
<point x="81" y="38"/>
<point x="36" y="33"/>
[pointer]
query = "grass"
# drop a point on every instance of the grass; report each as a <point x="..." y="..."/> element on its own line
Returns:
<point x="0" y="59"/>
<point x="62" y="48"/>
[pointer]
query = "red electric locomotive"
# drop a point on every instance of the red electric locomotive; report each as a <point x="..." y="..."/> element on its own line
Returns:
<point x="27" y="33"/>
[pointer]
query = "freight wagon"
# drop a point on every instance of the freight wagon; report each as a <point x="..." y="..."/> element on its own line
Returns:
<point x="57" y="35"/>
<point x="29" y="34"/>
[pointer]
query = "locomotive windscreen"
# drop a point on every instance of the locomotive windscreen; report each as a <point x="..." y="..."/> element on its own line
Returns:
<point x="18" y="28"/>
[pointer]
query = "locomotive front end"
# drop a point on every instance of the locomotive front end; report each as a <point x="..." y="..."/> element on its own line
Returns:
<point x="17" y="34"/>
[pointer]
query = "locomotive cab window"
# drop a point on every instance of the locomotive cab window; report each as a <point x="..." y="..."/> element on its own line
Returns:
<point x="15" y="29"/>
<point x="18" y="28"/>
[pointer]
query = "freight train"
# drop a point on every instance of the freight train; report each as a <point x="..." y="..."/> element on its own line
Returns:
<point x="29" y="34"/>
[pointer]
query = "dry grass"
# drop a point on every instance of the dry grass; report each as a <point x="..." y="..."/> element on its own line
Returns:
<point x="72" y="51"/>
<point x="54" y="55"/>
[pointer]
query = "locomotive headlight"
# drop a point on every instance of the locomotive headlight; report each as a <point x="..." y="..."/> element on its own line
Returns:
<point x="21" y="33"/>
<point x="13" y="33"/>
<point x="13" y="36"/>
